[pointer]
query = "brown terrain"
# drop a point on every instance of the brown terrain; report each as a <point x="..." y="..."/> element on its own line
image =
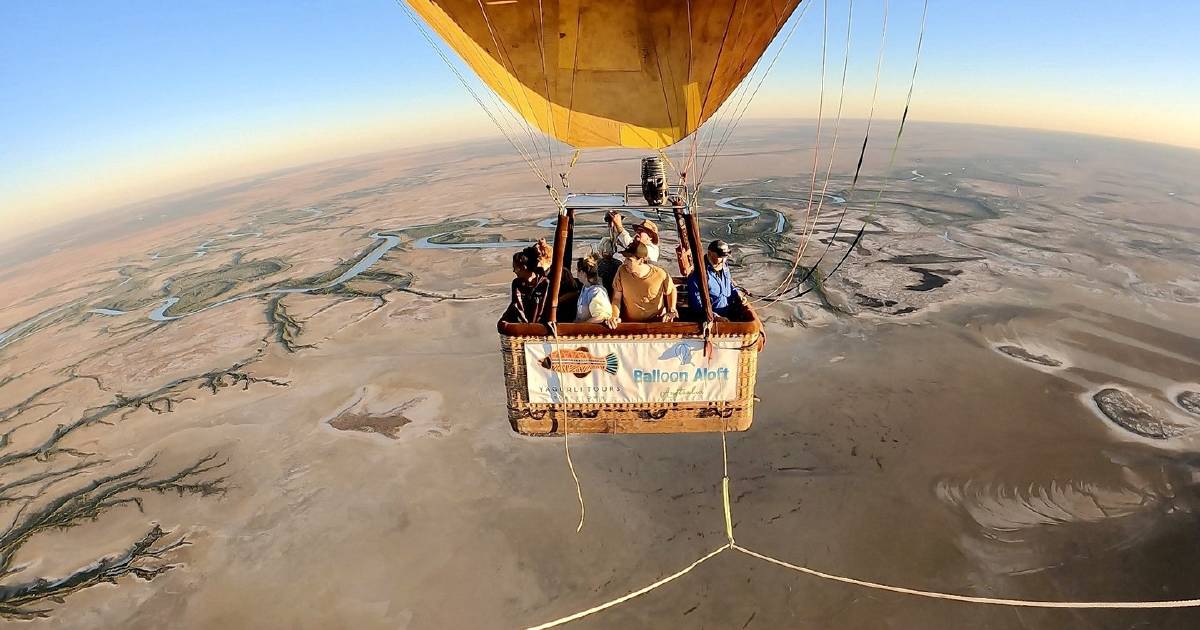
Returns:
<point x="278" y="402"/>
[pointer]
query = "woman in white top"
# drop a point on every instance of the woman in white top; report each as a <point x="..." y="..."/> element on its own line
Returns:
<point x="592" y="306"/>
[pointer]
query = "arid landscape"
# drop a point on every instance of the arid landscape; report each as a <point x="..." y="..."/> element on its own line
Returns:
<point x="278" y="402"/>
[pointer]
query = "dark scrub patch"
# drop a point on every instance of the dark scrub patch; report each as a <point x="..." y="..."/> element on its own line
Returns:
<point x="1017" y="352"/>
<point x="1190" y="401"/>
<point x="1134" y="415"/>
<point x="385" y="425"/>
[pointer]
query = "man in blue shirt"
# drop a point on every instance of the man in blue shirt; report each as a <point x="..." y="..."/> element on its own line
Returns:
<point x="721" y="292"/>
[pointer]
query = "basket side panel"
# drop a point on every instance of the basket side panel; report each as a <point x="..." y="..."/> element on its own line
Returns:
<point x="544" y="419"/>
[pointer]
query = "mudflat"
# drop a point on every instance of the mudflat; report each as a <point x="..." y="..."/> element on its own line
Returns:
<point x="279" y="402"/>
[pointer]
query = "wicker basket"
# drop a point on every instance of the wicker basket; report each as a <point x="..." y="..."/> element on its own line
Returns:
<point x="682" y="417"/>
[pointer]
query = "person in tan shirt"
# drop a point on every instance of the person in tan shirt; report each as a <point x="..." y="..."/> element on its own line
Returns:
<point x="641" y="291"/>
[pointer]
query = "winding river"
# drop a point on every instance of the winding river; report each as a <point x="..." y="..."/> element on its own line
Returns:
<point x="389" y="241"/>
<point x="163" y="313"/>
<point x="15" y="332"/>
<point x="749" y="213"/>
<point x="426" y="242"/>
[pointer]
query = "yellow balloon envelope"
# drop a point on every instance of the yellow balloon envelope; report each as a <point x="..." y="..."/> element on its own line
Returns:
<point x="610" y="73"/>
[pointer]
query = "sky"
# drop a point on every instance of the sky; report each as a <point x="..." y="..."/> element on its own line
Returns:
<point x="106" y="103"/>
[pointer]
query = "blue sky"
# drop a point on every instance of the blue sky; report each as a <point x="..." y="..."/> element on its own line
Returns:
<point x="106" y="101"/>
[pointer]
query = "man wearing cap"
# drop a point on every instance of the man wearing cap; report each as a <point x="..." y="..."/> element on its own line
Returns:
<point x="721" y="292"/>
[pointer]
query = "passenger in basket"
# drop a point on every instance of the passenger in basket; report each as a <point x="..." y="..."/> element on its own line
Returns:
<point x="529" y="289"/>
<point x="545" y="258"/>
<point x="619" y="239"/>
<point x="721" y="292"/>
<point x="615" y="241"/>
<point x="641" y="291"/>
<point x="592" y="306"/>
<point x="646" y="233"/>
<point x="567" y="289"/>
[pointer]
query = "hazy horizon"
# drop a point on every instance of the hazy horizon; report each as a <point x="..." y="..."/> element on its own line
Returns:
<point x="188" y="97"/>
<point x="881" y="142"/>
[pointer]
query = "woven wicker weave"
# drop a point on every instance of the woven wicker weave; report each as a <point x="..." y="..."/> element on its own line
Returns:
<point x="684" y="417"/>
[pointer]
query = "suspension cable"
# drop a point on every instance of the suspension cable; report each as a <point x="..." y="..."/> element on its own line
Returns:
<point x="514" y="84"/>
<point x="546" y="80"/>
<point x="816" y="147"/>
<point x="809" y="229"/>
<point x="724" y="111"/>
<point x="761" y="79"/>
<point x="707" y="164"/>
<point x="861" y="154"/>
<point x="895" y="148"/>
<point x="529" y="161"/>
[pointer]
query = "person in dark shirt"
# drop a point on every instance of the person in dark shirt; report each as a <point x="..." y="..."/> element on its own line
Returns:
<point x="529" y="289"/>
<point x="724" y="296"/>
<point x="568" y="290"/>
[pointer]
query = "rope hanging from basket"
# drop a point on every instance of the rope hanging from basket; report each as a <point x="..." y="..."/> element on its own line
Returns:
<point x="731" y="545"/>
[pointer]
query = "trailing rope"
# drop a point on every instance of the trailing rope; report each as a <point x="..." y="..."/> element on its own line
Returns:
<point x="578" y="488"/>
<point x="995" y="601"/>
<point x="641" y="591"/>
<point x="878" y="586"/>
<point x="902" y="590"/>
<point x="725" y="483"/>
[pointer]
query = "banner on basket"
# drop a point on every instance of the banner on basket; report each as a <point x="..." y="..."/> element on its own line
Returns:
<point x="650" y="371"/>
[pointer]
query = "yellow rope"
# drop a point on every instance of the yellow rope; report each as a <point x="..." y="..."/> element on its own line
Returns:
<point x="725" y="483"/>
<point x="629" y="596"/>
<point x="728" y="517"/>
<point x="1179" y="603"/>
<point x="578" y="489"/>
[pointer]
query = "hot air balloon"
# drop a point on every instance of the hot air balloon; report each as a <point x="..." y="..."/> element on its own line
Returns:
<point x="610" y="73"/>
<point x="641" y="74"/>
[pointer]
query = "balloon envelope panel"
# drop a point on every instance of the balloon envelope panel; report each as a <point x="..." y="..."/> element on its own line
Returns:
<point x="610" y="73"/>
